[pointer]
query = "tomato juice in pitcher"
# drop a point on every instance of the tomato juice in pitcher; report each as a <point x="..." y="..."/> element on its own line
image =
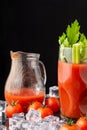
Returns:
<point x="26" y="80"/>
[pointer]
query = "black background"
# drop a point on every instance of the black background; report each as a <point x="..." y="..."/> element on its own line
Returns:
<point x="34" y="26"/>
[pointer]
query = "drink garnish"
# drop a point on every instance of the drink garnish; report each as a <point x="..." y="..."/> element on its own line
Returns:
<point x="75" y="40"/>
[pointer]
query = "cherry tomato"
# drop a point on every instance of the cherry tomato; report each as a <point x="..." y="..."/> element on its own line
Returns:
<point x="34" y="105"/>
<point x="45" y="111"/>
<point x="82" y="123"/>
<point x="12" y="108"/>
<point x="53" y="103"/>
<point x="69" y="127"/>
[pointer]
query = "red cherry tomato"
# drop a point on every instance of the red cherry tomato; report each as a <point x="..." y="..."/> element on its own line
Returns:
<point x="45" y="111"/>
<point x="53" y="103"/>
<point x="82" y="123"/>
<point x="34" y="105"/>
<point x="13" y="108"/>
<point x="69" y="127"/>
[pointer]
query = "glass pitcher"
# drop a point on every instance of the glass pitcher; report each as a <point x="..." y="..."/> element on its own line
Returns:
<point x="26" y="80"/>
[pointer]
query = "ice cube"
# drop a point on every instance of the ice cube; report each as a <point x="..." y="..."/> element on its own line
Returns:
<point x="54" y="91"/>
<point x="33" y="115"/>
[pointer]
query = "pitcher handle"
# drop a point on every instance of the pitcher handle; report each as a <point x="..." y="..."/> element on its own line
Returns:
<point x="43" y="72"/>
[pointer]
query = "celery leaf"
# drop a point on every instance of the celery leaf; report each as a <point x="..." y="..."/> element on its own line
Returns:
<point x="73" y="33"/>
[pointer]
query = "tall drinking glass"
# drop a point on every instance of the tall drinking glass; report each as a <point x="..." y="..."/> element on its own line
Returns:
<point x="72" y="82"/>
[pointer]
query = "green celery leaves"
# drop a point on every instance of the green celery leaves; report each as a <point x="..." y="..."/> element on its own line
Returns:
<point x="71" y="36"/>
<point x="76" y="40"/>
<point x="73" y="33"/>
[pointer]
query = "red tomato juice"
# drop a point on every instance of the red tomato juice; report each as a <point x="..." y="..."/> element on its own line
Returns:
<point x="25" y="96"/>
<point x="72" y="82"/>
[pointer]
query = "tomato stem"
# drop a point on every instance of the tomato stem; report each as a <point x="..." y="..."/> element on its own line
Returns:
<point x="14" y="103"/>
<point x="69" y="121"/>
<point x="86" y="116"/>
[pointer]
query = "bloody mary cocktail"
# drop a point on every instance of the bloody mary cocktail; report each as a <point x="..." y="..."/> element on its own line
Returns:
<point x="72" y="81"/>
<point x="72" y="72"/>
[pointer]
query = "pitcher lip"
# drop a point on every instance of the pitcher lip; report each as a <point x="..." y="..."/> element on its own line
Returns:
<point x="18" y="54"/>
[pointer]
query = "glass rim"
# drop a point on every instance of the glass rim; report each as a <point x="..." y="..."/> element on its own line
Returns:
<point x="73" y="55"/>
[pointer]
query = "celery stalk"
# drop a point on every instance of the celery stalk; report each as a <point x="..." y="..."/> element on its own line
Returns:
<point x="76" y="53"/>
<point x="73" y="53"/>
